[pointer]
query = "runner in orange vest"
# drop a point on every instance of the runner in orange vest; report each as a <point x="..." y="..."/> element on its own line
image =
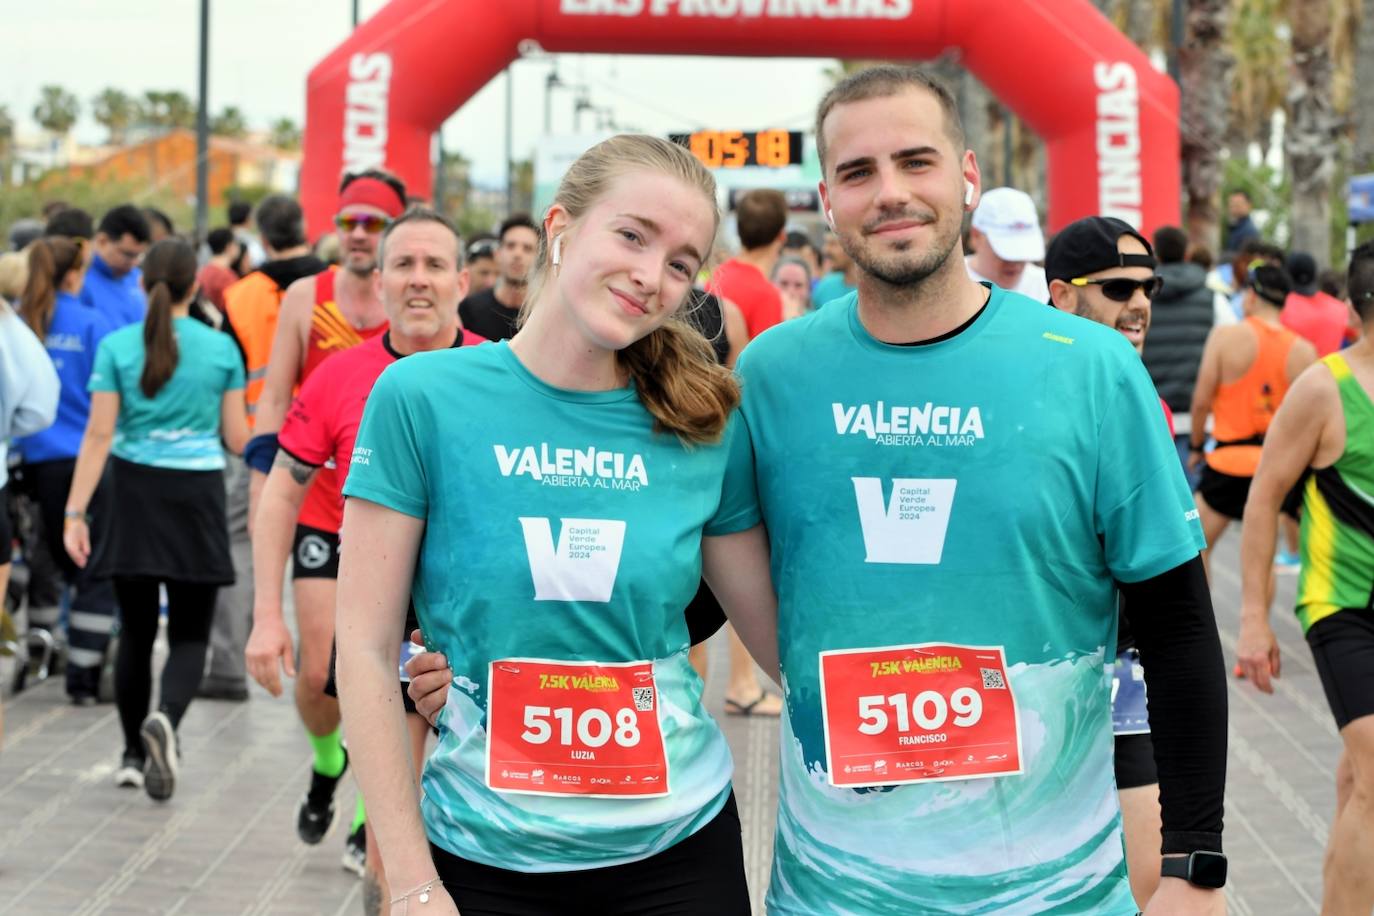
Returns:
<point x="320" y="315"/>
<point x="1245" y="373"/>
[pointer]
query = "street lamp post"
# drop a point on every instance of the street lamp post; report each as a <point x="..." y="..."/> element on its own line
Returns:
<point x="203" y="127"/>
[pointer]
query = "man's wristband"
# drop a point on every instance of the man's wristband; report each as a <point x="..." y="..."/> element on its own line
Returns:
<point x="74" y="515"/>
<point x="260" y="452"/>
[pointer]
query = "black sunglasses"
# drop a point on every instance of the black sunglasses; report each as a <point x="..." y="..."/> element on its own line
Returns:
<point x="1121" y="289"/>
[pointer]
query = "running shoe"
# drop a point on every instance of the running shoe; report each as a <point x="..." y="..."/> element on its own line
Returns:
<point x="316" y="813"/>
<point x="160" y="746"/>
<point x="130" y="772"/>
<point x="355" y="851"/>
<point x="1287" y="562"/>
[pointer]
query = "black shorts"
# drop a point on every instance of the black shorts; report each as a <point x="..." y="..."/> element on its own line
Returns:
<point x="1225" y="493"/>
<point x="1135" y="761"/>
<point x="704" y="615"/>
<point x="314" y="554"/>
<point x="1343" y="648"/>
<point x="703" y="873"/>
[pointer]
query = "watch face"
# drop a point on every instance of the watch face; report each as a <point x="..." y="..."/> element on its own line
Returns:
<point x="1207" y="869"/>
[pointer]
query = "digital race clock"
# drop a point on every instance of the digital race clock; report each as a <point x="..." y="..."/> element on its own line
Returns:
<point x="733" y="149"/>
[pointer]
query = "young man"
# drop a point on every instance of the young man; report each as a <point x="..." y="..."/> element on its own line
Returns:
<point x="1321" y="319"/>
<point x="761" y="217"/>
<point x="1326" y="424"/>
<point x="217" y="274"/>
<point x="945" y="747"/>
<point x="420" y="279"/>
<point x="1006" y="240"/>
<point x="323" y="314"/>
<point x="113" y="284"/>
<point x="492" y="312"/>
<point x="483" y="271"/>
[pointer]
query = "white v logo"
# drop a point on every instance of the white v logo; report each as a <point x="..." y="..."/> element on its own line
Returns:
<point x="584" y="564"/>
<point x="911" y="527"/>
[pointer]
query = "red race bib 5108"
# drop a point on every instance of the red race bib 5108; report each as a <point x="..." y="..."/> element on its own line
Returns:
<point x="574" y="728"/>
<point x="920" y="713"/>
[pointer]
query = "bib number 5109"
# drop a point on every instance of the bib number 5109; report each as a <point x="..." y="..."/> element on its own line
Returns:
<point x="928" y="709"/>
<point x="593" y="728"/>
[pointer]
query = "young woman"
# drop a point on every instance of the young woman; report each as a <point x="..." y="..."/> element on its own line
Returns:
<point x="552" y="535"/>
<point x="71" y="332"/>
<point x="162" y="393"/>
<point x="792" y="277"/>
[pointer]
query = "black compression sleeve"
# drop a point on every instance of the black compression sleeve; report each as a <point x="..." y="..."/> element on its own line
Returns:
<point x="1185" y="674"/>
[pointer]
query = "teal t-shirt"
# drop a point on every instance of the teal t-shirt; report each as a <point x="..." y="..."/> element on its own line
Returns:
<point x="179" y="428"/>
<point x="980" y="491"/>
<point x="829" y="288"/>
<point x="558" y="526"/>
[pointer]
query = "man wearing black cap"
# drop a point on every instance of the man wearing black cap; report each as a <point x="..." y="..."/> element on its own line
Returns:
<point x="1310" y="313"/>
<point x="1245" y="373"/>
<point x="1102" y="269"/>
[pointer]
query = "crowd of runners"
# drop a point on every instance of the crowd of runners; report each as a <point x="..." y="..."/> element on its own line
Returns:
<point x="517" y="481"/>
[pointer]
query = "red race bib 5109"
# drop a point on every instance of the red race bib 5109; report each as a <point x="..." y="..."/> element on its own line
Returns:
<point x="574" y="728"/>
<point x="902" y="714"/>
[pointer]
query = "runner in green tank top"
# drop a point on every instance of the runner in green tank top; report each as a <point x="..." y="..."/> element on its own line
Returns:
<point x="1327" y="424"/>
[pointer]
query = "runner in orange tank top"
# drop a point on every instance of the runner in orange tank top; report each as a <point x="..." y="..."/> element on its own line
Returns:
<point x="320" y="315"/>
<point x="1245" y="373"/>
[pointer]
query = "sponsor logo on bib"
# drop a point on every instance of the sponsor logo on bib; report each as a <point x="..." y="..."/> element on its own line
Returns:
<point x="582" y="566"/>
<point x="909" y="527"/>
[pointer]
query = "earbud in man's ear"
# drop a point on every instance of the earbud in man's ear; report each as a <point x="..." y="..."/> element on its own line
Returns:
<point x="557" y="249"/>
<point x="829" y="218"/>
<point x="968" y="193"/>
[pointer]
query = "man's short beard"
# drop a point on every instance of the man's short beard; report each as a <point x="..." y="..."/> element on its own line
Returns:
<point x="361" y="270"/>
<point x="899" y="270"/>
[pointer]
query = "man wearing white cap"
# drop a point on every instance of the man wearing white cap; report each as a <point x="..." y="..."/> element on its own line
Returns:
<point x="1005" y="238"/>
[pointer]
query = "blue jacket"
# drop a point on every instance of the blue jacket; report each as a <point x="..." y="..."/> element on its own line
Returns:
<point x="71" y="343"/>
<point x="119" y="299"/>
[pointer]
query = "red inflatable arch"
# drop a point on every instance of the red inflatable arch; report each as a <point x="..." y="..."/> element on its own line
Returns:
<point x="1108" y="119"/>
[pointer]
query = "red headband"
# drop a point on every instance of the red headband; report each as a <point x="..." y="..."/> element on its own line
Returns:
<point x="374" y="193"/>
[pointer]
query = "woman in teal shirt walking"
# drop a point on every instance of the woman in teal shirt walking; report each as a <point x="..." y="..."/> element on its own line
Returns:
<point x="163" y="391"/>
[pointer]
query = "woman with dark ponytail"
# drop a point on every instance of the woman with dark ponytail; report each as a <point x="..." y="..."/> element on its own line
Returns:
<point x="163" y="392"/>
<point x="71" y="332"/>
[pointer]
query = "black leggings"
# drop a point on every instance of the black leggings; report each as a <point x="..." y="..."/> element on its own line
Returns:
<point x="702" y="874"/>
<point x="190" y="611"/>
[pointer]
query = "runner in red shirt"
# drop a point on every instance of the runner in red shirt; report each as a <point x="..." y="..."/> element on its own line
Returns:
<point x="762" y="220"/>
<point x="1310" y="313"/>
<point x="421" y="281"/>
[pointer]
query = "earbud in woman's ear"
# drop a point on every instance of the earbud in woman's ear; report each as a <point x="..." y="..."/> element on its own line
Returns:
<point x="557" y="249"/>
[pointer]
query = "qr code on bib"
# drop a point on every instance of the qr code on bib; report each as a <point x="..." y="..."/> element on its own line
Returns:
<point x="644" y="698"/>
<point x="992" y="679"/>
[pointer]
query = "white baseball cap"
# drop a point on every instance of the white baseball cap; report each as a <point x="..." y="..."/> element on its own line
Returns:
<point x="1008" y="218"/>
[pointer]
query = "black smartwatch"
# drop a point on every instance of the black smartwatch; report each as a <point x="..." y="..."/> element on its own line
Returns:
<point x="1201" y="869"/>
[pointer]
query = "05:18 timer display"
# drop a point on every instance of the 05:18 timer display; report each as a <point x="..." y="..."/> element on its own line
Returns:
<point x="733" y="149"/>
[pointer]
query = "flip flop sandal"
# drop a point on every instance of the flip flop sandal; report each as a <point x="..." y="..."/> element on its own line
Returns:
<point x="736" y="708"/>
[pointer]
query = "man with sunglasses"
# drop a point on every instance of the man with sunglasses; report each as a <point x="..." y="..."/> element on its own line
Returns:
<point x="320" y="315"/>
<point x="1102" y="269"/>
<point x="483" y="271"/>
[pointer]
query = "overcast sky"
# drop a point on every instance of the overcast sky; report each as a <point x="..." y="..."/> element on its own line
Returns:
<point x="261" y="51"/>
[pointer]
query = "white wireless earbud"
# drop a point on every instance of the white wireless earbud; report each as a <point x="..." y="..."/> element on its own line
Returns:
<point x="557" y="249"/>
<point x="968" y="193"/>
<point x="829" y="218"/>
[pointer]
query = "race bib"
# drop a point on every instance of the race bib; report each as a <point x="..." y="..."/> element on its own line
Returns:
<point x="920" y="713"/>
<point x="1129" y="714"/>
<point x="574" y="728"/>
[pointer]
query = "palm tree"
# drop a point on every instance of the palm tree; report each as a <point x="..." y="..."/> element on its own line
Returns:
<point x="56" y="111"/>
<point x="1204" y="64"/>
<point x="229" y="123"/>
<point x="1310" y="139"/>
<point x="285" y="134"/>
<point x="115" y="111"/>
<point x="1260" y="47"/>
<point x="1362" y="101"/>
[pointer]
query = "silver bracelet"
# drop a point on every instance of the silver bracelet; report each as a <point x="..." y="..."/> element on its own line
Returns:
<point x="421" y="889"/>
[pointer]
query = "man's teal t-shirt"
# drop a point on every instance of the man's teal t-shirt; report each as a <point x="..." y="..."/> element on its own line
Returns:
<point x="558" y="526"/>
<point x="179" y="428"/>
<point x="982" y="490"/>
<point x="829" y="288"/>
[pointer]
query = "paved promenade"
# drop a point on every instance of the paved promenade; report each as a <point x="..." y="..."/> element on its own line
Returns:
<point x="71" y="843"/>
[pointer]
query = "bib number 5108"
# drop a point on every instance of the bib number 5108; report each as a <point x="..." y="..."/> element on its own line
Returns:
<point x="928" y="709"/>
<point x="593" y="728"/>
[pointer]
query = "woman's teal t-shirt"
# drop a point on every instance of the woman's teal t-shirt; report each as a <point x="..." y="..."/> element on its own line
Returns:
<point x="559" y="526"/>
<point x="179" y="428"/>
